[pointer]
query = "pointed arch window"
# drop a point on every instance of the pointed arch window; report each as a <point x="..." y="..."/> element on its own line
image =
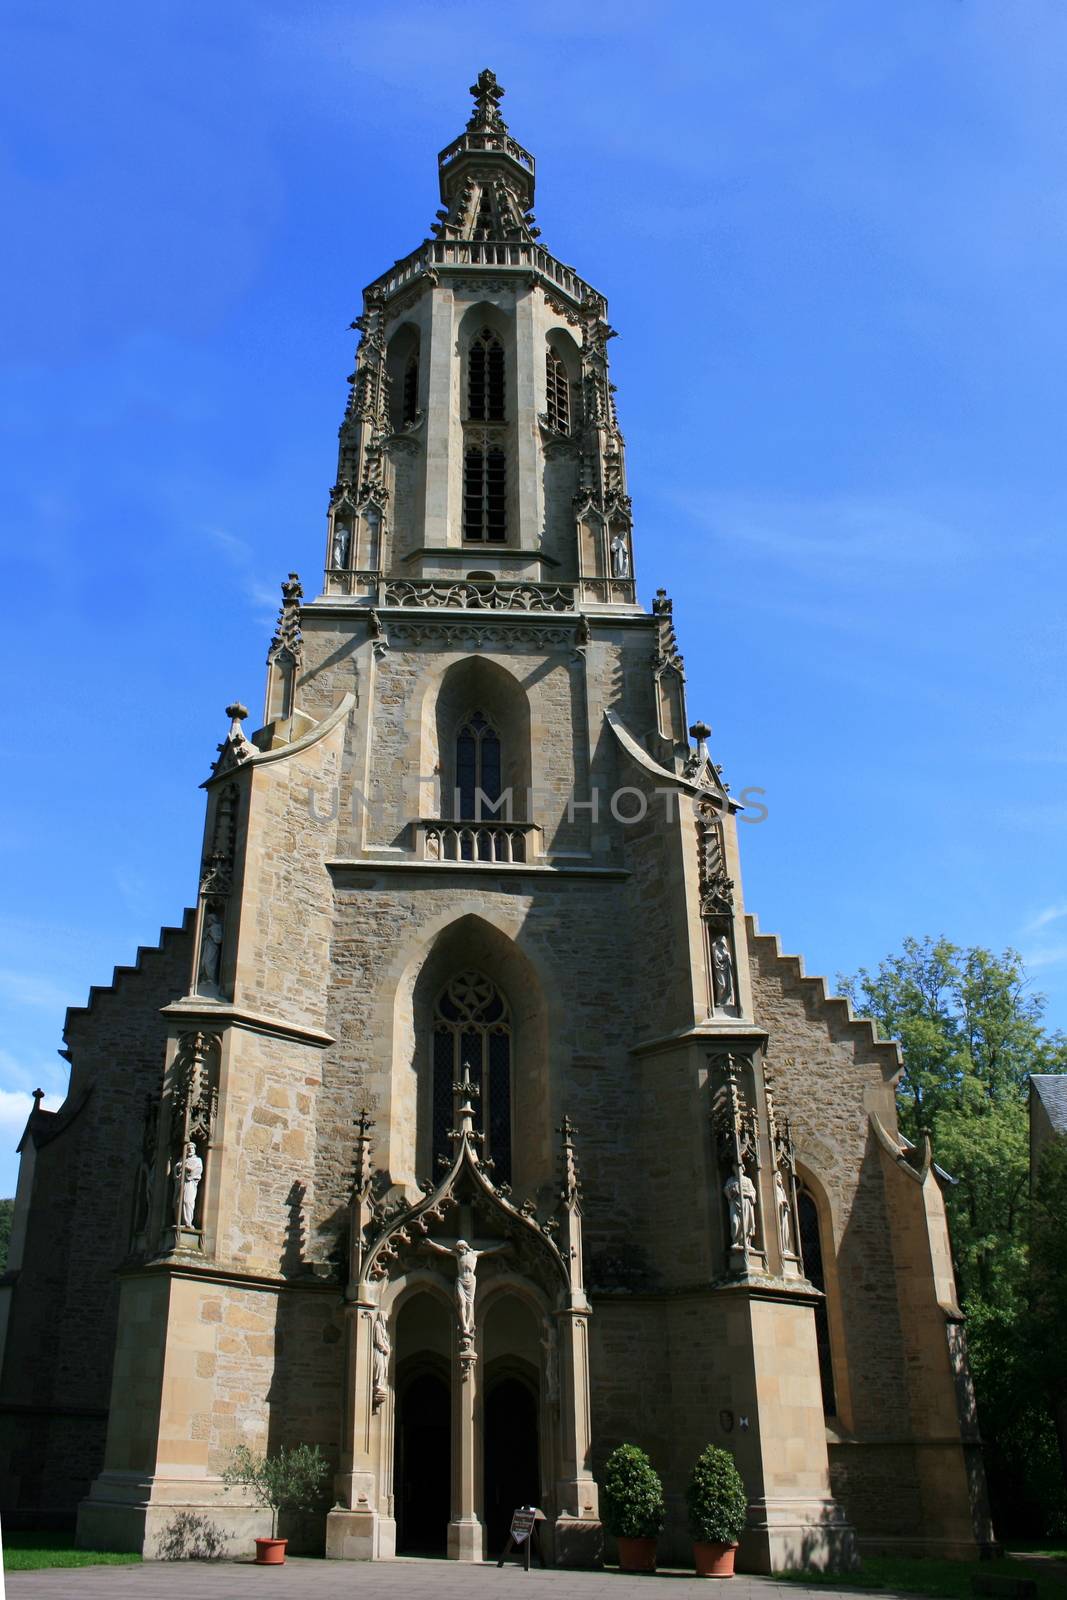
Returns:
<point x="485" y="378"/>
<point x="409" y="406"/>
<point x="472" y="1027"/>
<point x="477" y="767"/>
<point x="485" y="494"/>
<point x="559" y="394"/>
<point x="811" y="1253"/>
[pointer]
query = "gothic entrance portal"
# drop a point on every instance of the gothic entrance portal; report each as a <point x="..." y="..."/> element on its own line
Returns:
<point x="467" y="1379"/>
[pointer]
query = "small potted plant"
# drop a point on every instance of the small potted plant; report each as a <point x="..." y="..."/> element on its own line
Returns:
<point x="632" y="1506"/>
<point x="289" y="1480"/>
<point x="718" y="1507"/>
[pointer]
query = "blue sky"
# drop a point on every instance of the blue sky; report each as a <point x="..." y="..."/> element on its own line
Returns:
<point x="832" y="236"/>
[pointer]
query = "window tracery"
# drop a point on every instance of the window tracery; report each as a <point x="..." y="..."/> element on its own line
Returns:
<point x="485" y="493"/>
<point x="485" y="378"/>
<point x="558" y="393"/>
<point x="477" y="767"/>
<point x="472" y="1027"/>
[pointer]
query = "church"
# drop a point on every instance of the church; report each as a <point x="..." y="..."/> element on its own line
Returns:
<point x="468" y="1125"/>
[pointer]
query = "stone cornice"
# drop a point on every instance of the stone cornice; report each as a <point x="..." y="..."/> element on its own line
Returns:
<point x="218" y="1013"/>
<point x="476" y="869"/>
<point x="205" y="1269"/>
<point x="717" y="1035"/>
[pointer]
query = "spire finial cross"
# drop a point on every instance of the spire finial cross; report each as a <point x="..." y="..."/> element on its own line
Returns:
<point x="487" y="94"/>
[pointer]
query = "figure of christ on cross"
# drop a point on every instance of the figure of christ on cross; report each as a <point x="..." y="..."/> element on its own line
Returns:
<point x="466" y="1259"/>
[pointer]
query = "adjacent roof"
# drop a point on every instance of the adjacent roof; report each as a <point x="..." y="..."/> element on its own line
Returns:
<point x="1051" y="1090"/>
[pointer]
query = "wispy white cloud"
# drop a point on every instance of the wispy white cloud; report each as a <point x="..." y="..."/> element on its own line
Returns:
<point x="846" y="535"/>
<point x="1050" y="914"/>
<point x="19" y="1077"/>
<point x="237" y="549"/>
<point x="1051" y="956"/>
<point x="262" y="597"/>
<point x="15" y="1107"/>
<point x="31" y="989"/>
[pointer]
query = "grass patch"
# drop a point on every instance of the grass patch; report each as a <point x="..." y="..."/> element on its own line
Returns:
<point x="945" y="1580"/>
<point x="29" y="1552"/>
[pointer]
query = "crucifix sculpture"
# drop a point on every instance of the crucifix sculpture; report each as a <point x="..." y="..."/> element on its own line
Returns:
<point x="465" y="1254"/>
<point x="466" y="1259"/>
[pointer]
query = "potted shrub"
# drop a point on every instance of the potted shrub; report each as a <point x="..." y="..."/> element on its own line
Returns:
<point x="288" y="1480"/>
<point x="631" y="1501"/>
<point x="718" y="1507"/>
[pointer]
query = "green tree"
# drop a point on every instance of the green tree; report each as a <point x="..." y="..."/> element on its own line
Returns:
<point x="972" y="1033"/>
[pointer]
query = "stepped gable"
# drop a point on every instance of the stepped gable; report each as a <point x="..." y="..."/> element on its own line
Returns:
<point x="863" y="1029"/>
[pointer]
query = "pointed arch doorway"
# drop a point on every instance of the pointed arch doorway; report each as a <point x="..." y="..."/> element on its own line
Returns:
<point x="512" y="1456"/>
<point x="423" y="1464"/>
<point x="422" y="1449"/>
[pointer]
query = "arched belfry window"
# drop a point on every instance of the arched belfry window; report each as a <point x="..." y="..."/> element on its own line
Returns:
<point x="477" y="767"/>
<point x="559" y="394"/>
<point x="409" y="407"/>
<point x="811" y="1252"/>
<point x="485" y="494"/>
<point x="472" y="1028"/>
<point x="485" y="378"/>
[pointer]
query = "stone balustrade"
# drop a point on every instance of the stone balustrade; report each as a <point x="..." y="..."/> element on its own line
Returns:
<point x="489" y="843"/>
<point x="516" y="253"/>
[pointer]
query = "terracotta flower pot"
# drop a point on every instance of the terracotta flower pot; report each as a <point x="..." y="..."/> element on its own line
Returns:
<point x="713" y="1560"/>
<point x="637" y="1555"/>
<point x="270" y="1552"/>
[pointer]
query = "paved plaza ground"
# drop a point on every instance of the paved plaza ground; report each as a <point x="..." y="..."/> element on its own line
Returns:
<point x="392" y="1580"/>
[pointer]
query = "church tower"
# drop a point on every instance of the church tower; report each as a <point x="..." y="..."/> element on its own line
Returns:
<point x="468" y="1127"/>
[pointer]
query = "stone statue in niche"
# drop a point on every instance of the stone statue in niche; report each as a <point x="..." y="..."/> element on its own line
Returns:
<point x="210" y="950"/>
<point x="342" y="544"/>
<point x="740" y="1194"/>
<point x="722" y="971"/>
<point x="785" y="1214"/>
<point x="466" y="1259"/>
<point x="620" y="557"/>
<point x="190" y="1172"/>
<point x="382" y="1347"/>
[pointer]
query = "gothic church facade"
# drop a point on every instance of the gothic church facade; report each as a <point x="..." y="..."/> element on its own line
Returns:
<point x="468" y="1126"/>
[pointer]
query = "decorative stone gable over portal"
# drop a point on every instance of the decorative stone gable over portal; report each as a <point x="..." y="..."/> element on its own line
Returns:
<point x="316" y="1178"/>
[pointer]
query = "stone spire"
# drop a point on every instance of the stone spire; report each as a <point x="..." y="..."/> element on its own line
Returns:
<point x="486" y="177"/>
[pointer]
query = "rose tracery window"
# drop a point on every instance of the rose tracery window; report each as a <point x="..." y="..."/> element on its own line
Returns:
<point x="471" y="1027"/>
